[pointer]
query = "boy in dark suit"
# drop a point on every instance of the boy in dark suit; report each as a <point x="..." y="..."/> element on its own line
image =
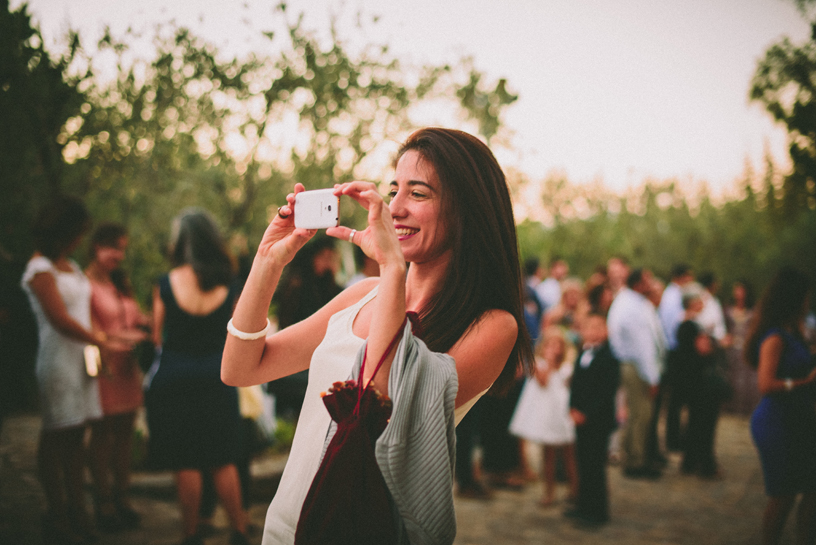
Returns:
<point x="592" y="407"/>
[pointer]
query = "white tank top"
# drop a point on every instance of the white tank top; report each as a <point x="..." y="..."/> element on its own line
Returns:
<point x="331" y="361"/>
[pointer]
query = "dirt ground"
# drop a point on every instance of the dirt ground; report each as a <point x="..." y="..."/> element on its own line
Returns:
<point x="677" y="509"/>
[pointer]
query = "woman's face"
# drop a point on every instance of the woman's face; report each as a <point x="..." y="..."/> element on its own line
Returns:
<point x="553" y="351"/>
<point x="571" y="298"/>
<point x="110" y="257"/>
<point x="739" y="294"/>
<point x="416" y="205"/>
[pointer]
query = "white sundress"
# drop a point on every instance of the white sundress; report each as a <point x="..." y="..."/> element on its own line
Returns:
<point x="542" y="412"/>
<point x="68" y="396"/>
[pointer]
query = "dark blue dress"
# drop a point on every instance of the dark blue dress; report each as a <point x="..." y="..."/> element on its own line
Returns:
<point x="193" y="418"/>
<point x="784" y="425"/>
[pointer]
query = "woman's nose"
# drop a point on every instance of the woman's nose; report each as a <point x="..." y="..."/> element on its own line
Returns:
<point x="396" y="206"/>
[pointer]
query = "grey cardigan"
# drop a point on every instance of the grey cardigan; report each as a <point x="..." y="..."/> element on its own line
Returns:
<point x="417" y="450"/>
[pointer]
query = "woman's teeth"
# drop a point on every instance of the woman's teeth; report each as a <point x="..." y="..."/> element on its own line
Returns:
<point x="404" y="231"/>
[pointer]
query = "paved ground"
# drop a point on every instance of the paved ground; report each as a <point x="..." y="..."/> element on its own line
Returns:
<point x="674" y="510"/>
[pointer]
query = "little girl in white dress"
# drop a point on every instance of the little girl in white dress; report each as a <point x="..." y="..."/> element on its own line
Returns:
<point x="542" y="413"/>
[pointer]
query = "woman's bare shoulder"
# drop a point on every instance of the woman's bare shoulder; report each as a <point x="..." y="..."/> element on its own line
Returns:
<point x="499" y="319"/>
<point x="773" y="341"/>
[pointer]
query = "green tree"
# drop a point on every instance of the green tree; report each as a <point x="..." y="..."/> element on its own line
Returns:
<point x="189" y="128"/>
<point x="785" y="83"/>
<point x="37" y="96"/>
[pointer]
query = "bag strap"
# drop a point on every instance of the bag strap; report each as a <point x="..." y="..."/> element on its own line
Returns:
<point x="360" y="388"/>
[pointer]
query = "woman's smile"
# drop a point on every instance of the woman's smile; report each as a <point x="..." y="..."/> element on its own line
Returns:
<point x="404" y="232"/>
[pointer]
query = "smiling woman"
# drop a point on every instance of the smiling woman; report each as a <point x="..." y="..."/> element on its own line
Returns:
<point x="450" y="219"/>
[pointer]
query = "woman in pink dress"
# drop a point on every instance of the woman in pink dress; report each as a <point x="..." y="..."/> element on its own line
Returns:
<point x="114" y="311"/>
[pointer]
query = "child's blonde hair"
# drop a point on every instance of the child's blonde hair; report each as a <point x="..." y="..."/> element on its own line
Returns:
<point x="552" y="334"/>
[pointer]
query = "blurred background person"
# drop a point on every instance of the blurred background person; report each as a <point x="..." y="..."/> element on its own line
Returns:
<point x="656" y="290"/>
<point x="593" y="390"/>
<point x="671" y="303"/>
<point x="743" y="378"/>
<point x="533" y="272"/>
<point x="783" y="423"/>
<point x="366" y="267"/>
<point x="617" y="271"/>
<point x="309" y="282"/>
<point x="672" y="314"/>
<point x="712" y="316"/>
<point x="567" y="312"/>
<point x="695" y="384"/>
<point x="598" y="295"/>
<point x="549" y="289"/>
<point x="193" y="417"/>
<point x="60" y="296"/>
<point x="115" y="312"/>
<point x="637" y="341"/>
<point x="542" y="414"/>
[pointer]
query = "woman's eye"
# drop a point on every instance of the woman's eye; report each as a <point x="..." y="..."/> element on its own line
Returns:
<point x="392" y="193"/>
<point x="417" y="195"/>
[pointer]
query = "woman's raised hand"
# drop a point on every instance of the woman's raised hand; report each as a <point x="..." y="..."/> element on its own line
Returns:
<point x="282" y="240"/>
<point x="379" y="240"/>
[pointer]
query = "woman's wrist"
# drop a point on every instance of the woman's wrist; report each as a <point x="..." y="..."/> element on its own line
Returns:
<point x="395" y="266"/>
<point x="246" y="336"/>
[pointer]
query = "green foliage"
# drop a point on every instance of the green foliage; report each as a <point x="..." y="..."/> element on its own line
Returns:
<point x="37" y="96"/>
<point x="188" y="128"/>
<point x="284" y="434"/>
<point x="785" y="83"/>
<point x="666" y="222"/>
<point x="484" y="106"/>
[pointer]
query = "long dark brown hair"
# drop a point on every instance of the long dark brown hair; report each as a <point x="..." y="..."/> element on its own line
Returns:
<point x="108" y="234"/>
<point x="60" y="222"/>
<point x="197" y="241"/>
<point x="782" y="305"/>
<point x="484" y="272"/>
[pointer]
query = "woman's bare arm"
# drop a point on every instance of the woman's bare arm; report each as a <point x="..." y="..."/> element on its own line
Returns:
<point x="288" y="351"/>
<point x="770" y="353"/>
<point x="158" y="317"/>
<point x="379" y="241"/>
<point x="482" y="352"/>
<point x="248" y="362"/>
<point x="44" y="286"/>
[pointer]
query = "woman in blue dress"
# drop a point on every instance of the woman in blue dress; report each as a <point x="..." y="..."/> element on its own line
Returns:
<point x="784" y="423"/>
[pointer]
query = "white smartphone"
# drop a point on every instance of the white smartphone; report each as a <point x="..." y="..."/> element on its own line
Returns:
<point x="317" y="209"/>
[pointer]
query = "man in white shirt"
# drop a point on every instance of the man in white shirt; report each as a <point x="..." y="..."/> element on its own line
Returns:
<point x="671" y="304"/>
<point x="617" y="271"/>
<point x="712" y="317"/>
<point x="637" y="340"/>
<point x="549" y="290"/>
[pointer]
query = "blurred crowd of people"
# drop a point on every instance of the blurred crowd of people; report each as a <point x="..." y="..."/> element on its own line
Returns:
<point x="615" y="354"/>
<point x="101" y="359"/>
<point x="629" y="368"/>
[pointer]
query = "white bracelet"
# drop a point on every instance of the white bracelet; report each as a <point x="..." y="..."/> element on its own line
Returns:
<point x="248" y="336"/>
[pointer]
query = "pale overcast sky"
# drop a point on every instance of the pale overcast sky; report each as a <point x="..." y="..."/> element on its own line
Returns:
<point x="611" y="89"/>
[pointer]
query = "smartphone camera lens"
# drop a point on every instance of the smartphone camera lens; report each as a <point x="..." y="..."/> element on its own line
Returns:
<point x="329" y="208"/>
